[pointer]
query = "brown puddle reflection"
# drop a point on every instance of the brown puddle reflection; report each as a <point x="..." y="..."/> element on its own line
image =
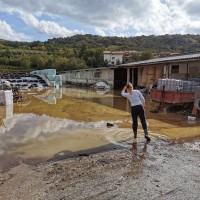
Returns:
<point x="138" y="154"/>
<point x="69" y="122"/>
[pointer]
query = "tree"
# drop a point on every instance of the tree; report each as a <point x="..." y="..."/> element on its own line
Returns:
<point x="146" y="55"/>
<point x="136" y="57"/>
<point x="82" y="51"/>
<point x="25" y="63"/>
<point x="36" y="62"/>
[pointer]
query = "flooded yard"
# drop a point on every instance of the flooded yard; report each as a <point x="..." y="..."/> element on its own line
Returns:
<point x="60" y="147"/>
<point x="70" y="122"/>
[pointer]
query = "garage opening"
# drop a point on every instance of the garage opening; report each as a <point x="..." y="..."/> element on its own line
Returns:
<point x="135" y="77"/>
<point x="120" y="77"/>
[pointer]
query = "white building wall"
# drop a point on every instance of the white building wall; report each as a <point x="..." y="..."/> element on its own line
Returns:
<point x="112" y="57"/>
<point x="108" y="76"/>
<point x="186" y="70"/>
<point x="183" y="68"/>
<point x="194" y="64"/>
<point x="117" y="57"/>
<point x="88" y="76"/>
<point x="194" y="69"/>
<point x="107" y="57"/>
<point x="182" y="71"/>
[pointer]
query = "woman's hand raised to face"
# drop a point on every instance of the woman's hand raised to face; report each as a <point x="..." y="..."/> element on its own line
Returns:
<point x="124" y="88"/>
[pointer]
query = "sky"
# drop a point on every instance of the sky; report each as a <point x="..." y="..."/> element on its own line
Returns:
<point x="40" y="20"/>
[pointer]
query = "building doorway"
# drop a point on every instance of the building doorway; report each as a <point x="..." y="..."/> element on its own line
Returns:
<point x="120" y="77"/>
<point x="135" y="77"/>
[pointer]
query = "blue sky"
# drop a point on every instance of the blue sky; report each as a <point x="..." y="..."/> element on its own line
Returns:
<point x="28" y="20"/>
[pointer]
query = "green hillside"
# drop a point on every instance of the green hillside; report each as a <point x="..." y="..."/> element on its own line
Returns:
<point x="86" y="51"/>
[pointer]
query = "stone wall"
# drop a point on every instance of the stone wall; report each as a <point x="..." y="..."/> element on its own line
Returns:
<point x="88" y="77"/>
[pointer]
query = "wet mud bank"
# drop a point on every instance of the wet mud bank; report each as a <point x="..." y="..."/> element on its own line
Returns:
<point x="155" y="170"/>
<point x="66" y="151"/>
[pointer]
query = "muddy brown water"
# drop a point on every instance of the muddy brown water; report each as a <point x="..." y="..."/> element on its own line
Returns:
<point x="69" y="122"/>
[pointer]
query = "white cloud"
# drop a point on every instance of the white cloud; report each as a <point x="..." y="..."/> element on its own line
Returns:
<point x="47" y="27"/>
<point x="100" y="32"/>
<point x="108" y="17"/>
<point x="7" y="33"/>
<point x="33" y="126"/>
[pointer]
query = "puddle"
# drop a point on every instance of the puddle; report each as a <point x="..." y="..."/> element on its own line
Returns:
<point x="68" y="122"/>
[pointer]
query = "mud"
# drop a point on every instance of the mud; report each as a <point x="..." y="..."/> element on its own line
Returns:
<point x="63" y="149"/>
<point x="156" y="170"/>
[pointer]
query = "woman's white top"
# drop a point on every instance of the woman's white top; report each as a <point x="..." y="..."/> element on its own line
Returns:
<point x="135" y="98"/>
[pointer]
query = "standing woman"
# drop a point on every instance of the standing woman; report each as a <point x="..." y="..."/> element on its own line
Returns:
<point x="137" y="108"/>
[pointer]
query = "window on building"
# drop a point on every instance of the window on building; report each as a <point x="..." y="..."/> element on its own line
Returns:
<point x="175" y="69"/>
<point x="97" y="74"/>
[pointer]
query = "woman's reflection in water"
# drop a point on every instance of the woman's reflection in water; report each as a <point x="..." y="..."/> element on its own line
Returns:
<point x="137" y="154"/>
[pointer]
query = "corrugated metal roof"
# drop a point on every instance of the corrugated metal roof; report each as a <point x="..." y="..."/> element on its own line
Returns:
<point x="164" y="60"/>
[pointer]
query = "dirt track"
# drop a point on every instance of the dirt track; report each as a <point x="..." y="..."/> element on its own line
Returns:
<point x="157" y="170"/>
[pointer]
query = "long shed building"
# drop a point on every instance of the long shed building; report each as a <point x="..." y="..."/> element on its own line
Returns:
<point x="142" y="73"/>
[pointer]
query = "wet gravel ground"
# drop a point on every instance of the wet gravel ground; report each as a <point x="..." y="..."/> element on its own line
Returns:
<point x="156" y="170"/>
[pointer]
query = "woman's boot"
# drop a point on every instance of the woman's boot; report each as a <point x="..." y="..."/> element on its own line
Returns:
<point x="146" y="135"/>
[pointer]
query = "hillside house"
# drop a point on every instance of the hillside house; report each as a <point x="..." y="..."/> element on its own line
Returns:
<point x="118" y="57"/>
<point x="113" y="58"/>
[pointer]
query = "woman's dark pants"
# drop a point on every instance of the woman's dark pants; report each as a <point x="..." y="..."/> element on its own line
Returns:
<point x="135" y="112"/>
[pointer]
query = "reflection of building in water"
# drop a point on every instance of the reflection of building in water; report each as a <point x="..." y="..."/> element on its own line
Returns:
<point x="6" y="105"/>
<point x="50" y="96"/>
<point x="5" y="112"/>
<point x="112" y="99"/>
